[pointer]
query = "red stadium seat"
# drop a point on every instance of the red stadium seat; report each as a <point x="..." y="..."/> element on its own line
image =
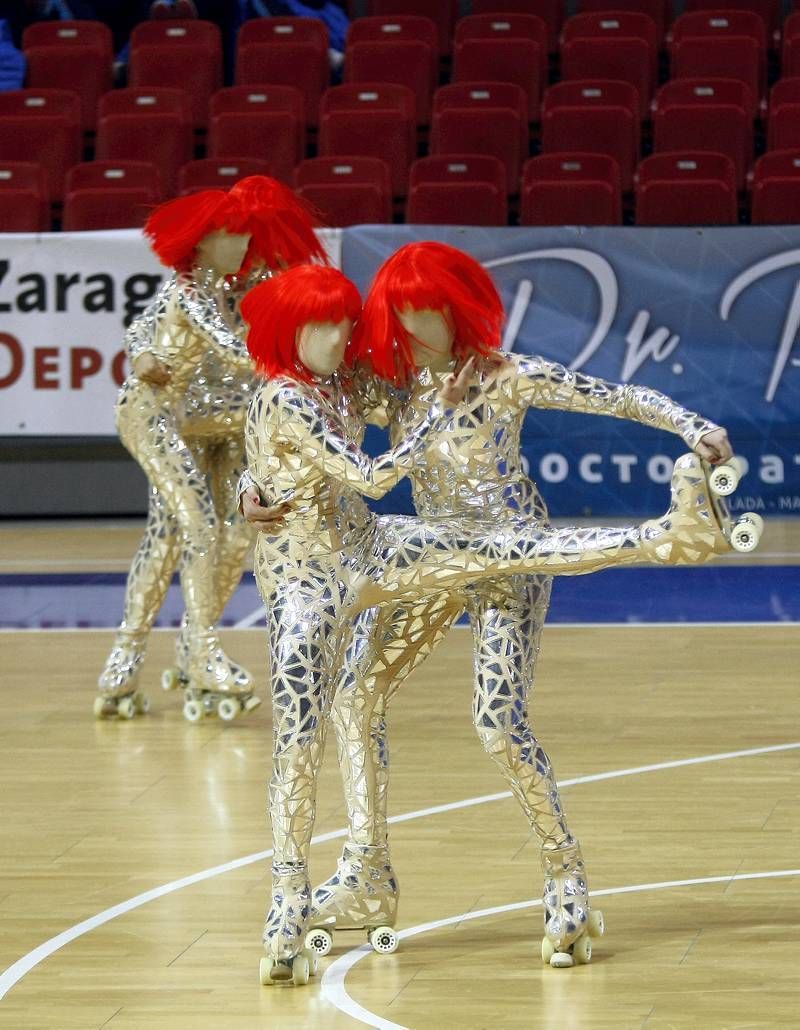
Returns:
<point x="482" y="118"/>
<point x="179" y="55"/>
<point x="593" y="116"/>
<point x="790" y="52"/>
<point x="110" y="195"/>
<point x="550" y="11"/>
<point x="347" y="190"/>
<point x="24" y="203"/>
<point x="620" y="45"/>
<point x="211" y="173"/>
<point x="768" y="10"/>
<point x="75" y="55"/>
<point x="156" y="122"/>
<point x="503" y="48"/>
<point x="659" y="10"/>
<point x="571" y="189"/>
<point x="267" y="123"/>
<point x="443" y="12"/>
<point x="706" y="114"/>
<point x="686" y="188"/>
<point x="285" y="52"/>
<point x="399" y="50"/>
<point x="468" y="189"/>
<point x="721" y="44"/>
<point x="783" y="122"/>
<point x="776" y="189"/>
<point x="43" y="126"/>
<point x="371" y="120"/>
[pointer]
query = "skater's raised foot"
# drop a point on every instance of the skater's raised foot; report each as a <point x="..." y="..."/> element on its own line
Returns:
<point x="361" y="895"/>
<point x="568" y="922"/>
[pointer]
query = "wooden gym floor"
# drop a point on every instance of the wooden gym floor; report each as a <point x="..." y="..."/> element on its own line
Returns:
<point x="678" y="749"/>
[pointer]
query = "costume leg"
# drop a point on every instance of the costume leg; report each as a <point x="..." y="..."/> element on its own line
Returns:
<point x="148" y="581"/>
<point x="507" y="623"/>
<point x="149" y="431"/>
<point x="388" y="643"/>
<point x="304" y="624"/>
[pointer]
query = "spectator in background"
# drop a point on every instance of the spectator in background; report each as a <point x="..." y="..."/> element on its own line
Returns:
<point x="12" y="61"/>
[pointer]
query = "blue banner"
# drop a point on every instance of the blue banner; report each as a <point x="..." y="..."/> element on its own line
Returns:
<point x="708" y="316"/>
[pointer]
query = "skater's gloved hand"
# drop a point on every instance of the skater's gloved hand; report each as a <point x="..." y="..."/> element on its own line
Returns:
<point x="151" y="370"/>
<point x="714" y="447"/>
<point x="455" y="386"/>
<point x="265" y="517"/>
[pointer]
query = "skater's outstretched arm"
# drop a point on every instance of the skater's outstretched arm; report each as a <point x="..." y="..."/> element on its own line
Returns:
<point x="547" y="384"/>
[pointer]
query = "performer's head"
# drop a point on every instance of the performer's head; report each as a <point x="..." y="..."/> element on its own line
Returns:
<point x="428" y="303"/>
<point x="259" y="221"/>
<point x="300" y="322"/>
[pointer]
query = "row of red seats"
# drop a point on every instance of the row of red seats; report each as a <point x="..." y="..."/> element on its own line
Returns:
<point x="267" y="123"/>
<point x="511" y="47"/>
<point x="557" y="189"/>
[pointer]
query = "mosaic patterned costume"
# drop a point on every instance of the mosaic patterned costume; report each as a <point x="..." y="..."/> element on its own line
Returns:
<point x="474" y="474"/>
<point x="188" y="437"/>
<point x="334" y="559"/>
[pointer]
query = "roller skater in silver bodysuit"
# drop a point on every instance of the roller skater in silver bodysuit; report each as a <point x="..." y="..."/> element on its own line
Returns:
<point x="331" y="558"/>
<point x="431" y="305"/>
<point x="181" y="414"/>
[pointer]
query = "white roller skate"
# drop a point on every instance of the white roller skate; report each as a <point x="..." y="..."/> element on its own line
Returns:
<point x="361" y="895"/>
<point x="698" y="525"/>
<point x="287" y="961"/>
<point x="210" y="681"/>
<point x="569" y="923"/>
<point x="117" y="684"/>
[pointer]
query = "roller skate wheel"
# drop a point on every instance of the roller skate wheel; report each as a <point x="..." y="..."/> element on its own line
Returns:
<point x="561" y="960"/>
<point x="301" y="970"/>
<point x="548" y="950"/>
<point x="383" y="940"/>
<point x="582" y="950"/>
<point x="725" y="478"/>
<point x="126" y="708"/>
<point x="744" y="536"/>
<point x="251" y="703"/>
<point x="228" y="709"/>
<point x="313" y="961"/>
<point x="754" y="519"/>
<point x="170" y="680"/>
<point x="597" y="925"/>
<point x="193" y="711"/>
<point x="320" y="941"/>
<point x="99" y="707"/>
<point x="142" y="702"/>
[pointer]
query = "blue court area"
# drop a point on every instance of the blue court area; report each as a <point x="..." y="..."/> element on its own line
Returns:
<point x="721" y="593"/>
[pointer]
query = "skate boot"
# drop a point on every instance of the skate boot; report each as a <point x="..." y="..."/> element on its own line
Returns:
<point x="118" y="694"/>
<point x="287" y="960"/>
<point x="698" y="525"/>
<point x="569" y="924"/>
<point x="211" y="682"/>
<point x="361" y="895"/>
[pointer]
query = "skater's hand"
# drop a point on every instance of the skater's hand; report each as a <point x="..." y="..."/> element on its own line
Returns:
<point x="455" y="386"/>
<point x="151" y="370"/>
<point x="714" y="447"/>
<point x="265" y="517"/>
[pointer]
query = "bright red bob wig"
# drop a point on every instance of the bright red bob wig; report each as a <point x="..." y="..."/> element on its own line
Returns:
<point x="424" y="276"/>
<point x="280" y="223"/>
<point x="277" y="309"/>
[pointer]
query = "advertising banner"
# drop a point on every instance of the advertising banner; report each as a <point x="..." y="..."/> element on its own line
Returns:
<point x="708" y="316"/>
<point x="65" y="302"/>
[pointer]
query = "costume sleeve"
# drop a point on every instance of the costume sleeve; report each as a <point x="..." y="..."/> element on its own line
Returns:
<point x="320" y="439"/>
<point x="378" y="402"/>
<point x="546" y="384"/>
<point x="141" y="335"/>
<point x="200" y="309"/>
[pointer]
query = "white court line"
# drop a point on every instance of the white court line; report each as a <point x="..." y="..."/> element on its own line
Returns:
<point x="334" y="991"/>
<point x="15" y="972"/>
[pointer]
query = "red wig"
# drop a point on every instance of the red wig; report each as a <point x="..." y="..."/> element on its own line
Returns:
<point x="280" y="223"/>
<point x="427" y="276"/>
<point x="277" y="309"/>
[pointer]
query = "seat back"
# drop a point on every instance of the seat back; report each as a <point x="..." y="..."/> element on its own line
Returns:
<point x="443" y="13"/>
<point x="550" y="11"/>
<point x="347" y="190"/>
<point x="571" y="189"/>
<point x="686" y="188"/>
<point x="95" y="35"/>
<point x="24" y="198"/>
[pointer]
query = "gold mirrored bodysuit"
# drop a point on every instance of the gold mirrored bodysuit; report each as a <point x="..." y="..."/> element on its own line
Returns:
<point x="188" y="437"/>
<point x="333" y="559"/>
<point x="474" y="474"/>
